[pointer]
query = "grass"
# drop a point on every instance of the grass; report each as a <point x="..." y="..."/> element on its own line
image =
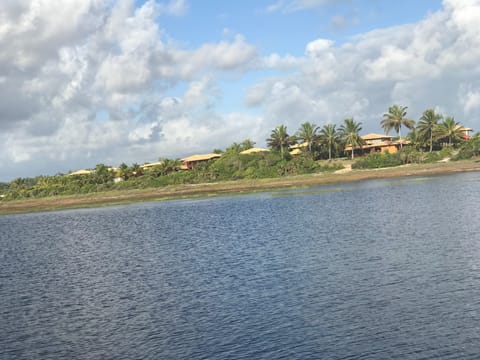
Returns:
<point x="229" y="187"/>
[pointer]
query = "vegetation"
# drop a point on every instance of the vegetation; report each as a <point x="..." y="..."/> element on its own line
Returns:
<point x="395" y="118"/>
<point x="308" y="134"/>
<point x="280" y="140"/>
<point x="375" y="161"/>
<point x="350" y="134"/>
<point x="469" y="149"/>
<point x="449" y="130"/>
<point x="428" y="126"/>
<point x="231" y="166"/>
<point x="407" y="155"/>
<point x="330" y="138"/>
<point x="323" y="144"/>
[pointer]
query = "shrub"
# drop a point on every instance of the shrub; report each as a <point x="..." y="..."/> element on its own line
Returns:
<point x="375" y="161"/>
<point x="469" y="149"/>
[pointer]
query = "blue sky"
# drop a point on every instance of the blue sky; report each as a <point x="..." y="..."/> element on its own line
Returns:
<point x="287" y="31"/>
<point x="84" y="82"/>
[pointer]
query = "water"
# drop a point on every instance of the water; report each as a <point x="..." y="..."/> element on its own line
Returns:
<point x="384" y="269"/>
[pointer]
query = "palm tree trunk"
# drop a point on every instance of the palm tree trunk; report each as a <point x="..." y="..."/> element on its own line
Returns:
<point x="352" y="152"/>
<point x="281" y="151"/>
<point x="330" y="152"/>
<point x="400" y="136"/>
<point x="431" y="141"/>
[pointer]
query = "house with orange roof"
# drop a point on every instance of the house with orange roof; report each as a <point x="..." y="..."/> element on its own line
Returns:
<point x="190" y="161"/>
<point x="465" y="132"/>
<point x="378" y="143"/>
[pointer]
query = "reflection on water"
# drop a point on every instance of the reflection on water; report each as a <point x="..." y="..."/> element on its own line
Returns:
<point x="376" y="269"/>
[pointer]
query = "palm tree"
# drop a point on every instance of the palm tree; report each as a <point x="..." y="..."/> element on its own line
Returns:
<point x="123" y="171"/>
<point x="308" y="133"/>
<point x="395" y="118"/>
<point x="415" y="139"/>
<point x="427" y="126"/>
<point x="349" y="131"/>
<point x="168" y="166"/>
<point x="449" y="129"/>
<point x="103" y="174"/>
<point x="247" y="144"/>
<point x="279" y="139"/>
<point x="330" y="137"/>
<point x="235" y="148"/>
<point x="136" y="170"/>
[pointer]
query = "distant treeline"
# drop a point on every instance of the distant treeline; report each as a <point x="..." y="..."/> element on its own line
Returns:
<point x="230" y="166"/>
<point x="431" y="140"/>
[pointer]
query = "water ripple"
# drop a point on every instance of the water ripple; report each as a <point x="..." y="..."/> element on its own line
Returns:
<point x="385" y="269"/>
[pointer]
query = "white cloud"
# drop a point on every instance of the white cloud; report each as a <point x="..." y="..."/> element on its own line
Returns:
<point x="275" y="61"/>
<point x="318" y="47"/>
<point x="227" y="56"/>
<point x="66" y="61"/>
<point x="297" y="5"/>
<point x="174" y="7"/>
<point x="470" y="99"/>
<point x="420" y="65"/>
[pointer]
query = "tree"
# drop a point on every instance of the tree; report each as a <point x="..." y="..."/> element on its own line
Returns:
<point x="449" y="129"/>
<point x="427" y="125"/>
<point x="349" y="131"/>
<point x="123" y="171"/>
<point x="169" y="166"/>
<point x="247" y="144"/>
<point x="415" y="139"/>
<point x="279" y="140"/>
<point x="103" y="174"/>
<point x="330" y="137"/>
<point x="136" y="170"/>
<point x="308" y="133"/>
<point x="395" y="119"/>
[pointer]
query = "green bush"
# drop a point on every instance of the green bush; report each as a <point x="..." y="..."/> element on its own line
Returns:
<point x="469" y="149"/>
<point x="375" y="161"/>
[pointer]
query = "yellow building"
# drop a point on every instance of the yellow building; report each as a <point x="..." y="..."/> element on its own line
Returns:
<point x="253" y="150"/>
<point x="378" y="143"/>
<point x="191" y="161"/>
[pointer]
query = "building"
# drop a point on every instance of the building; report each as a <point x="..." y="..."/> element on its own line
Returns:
<point x="191" y="161"/>
<point x="253" y="150"/>
<point x="81" y="172"/>
<point x="465" y="132"/>
<point x="148" y="166"/>
<point x="297" y="149"/>
<point x="377" y="143"/>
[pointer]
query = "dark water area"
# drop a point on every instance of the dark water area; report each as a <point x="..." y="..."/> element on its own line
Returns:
<point x="384" y="269"/>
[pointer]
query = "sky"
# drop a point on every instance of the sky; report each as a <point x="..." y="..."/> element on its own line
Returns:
<point x="84" y="82"/>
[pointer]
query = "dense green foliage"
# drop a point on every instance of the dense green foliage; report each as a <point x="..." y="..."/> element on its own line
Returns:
<point x="280" y="140"/>
<point x="469" y="149"/>
<point x="375" y="161"/>
<point x="428" y="125"/>
<point x="330" y="139"/>
<point x="408" y="155"/>
<point x="232" y="165"/>
<point x="308" y="134"/>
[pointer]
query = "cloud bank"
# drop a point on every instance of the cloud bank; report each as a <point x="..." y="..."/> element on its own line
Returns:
<point x="90" y="81"/>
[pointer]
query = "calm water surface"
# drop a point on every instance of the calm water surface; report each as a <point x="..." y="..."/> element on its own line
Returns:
<point x="385" y="269"/>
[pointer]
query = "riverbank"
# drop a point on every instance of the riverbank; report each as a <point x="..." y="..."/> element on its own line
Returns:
<point x="231" y="187"/>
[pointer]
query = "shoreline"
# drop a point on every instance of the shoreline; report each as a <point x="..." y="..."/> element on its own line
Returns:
<point x="118" y="197"/>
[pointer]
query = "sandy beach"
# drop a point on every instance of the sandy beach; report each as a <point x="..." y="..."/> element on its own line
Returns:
<point x="231" y="187"/>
